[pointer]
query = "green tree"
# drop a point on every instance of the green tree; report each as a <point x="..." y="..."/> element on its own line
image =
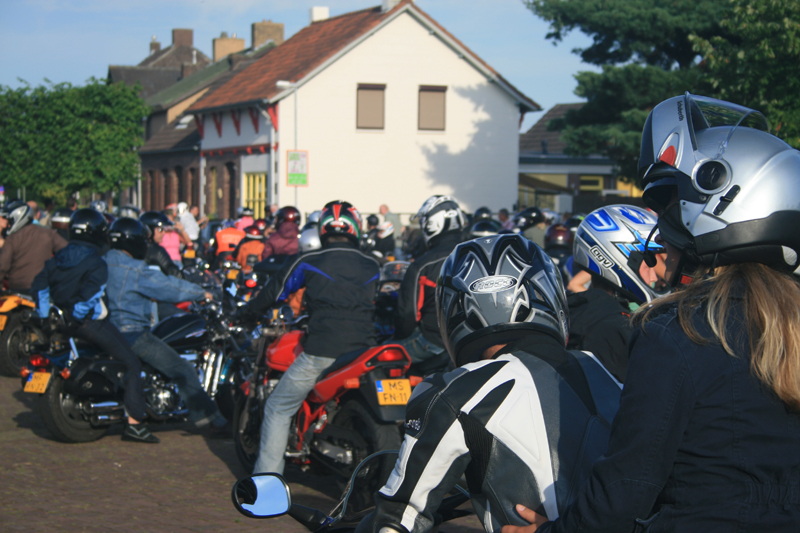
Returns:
<point x="756" y="65"/>
<point x="646" y="53"/>
<point x="58" y="139"/>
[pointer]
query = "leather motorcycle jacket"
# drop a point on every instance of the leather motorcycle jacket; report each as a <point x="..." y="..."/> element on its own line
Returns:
<point x="416" y="303"/>
<point x="159" y="257"/>
<point x="525" y="427"/>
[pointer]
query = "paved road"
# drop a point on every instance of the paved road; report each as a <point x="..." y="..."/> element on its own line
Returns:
<point x="182" y="484"/>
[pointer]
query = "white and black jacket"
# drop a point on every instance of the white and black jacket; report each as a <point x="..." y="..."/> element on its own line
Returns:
<point x="523" y="428"/>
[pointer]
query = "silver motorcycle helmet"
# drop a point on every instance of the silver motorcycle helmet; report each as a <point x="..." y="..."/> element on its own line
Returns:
<point x="736" y="185"/>
<point x="496" y="290"/>
<point x="610" y="245"/>
<point x="19" y="215"/>
<point x="439" y="215"/>
<point x="99" y="205"/>
<point x="309" y="240"/>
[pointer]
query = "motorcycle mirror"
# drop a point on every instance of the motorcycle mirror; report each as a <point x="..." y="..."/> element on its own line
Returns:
<point x="262" y="496"/>
<point x="285" y="313"/>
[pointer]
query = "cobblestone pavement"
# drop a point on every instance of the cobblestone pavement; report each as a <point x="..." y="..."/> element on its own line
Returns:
<point x="182" y="484"/>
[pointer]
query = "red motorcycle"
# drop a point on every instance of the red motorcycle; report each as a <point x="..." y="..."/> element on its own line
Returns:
<point x="355" y="409"/>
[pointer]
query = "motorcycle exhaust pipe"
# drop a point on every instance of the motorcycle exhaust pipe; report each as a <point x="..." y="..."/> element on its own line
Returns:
<point x="104" y="407"/>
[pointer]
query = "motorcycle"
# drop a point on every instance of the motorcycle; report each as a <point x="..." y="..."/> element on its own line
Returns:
<point x="269" y="496"/>
<point x="81" y="388"/>
<point x="355" y="408"/>
<point x="17" y="332"/>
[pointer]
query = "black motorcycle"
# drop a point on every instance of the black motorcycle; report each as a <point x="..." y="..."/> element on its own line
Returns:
<point x="269" y="496"/>
<point x="81" y="388"/>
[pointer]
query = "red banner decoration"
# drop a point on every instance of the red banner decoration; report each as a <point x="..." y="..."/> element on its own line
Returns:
<point x="217" y="122"/>
<point x="272" y="111"/>
<point x="236" y="116"/>
<point x="254" y="114"/>
<point x="199" y="120"/>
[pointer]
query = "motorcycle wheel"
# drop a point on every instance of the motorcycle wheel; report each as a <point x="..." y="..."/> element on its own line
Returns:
<point x="355" y="416"/>
<point x="62" y="417"/>
<point x="13" y="355"/>
<point x="247" y="417"/>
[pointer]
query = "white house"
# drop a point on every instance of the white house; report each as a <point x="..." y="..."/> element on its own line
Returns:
<point x="389" y="107"/>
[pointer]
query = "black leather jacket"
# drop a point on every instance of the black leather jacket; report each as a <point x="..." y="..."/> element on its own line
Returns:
<point x="158" y="256"/>
<point x="531" y="438"/>
<point x="699" y="443"/>
<point x="416" y="303"/>
<point x="340" y="283"/>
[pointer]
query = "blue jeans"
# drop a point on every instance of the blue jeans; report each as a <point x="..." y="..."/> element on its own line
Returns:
<point x="418" y="347"/>
<point x="282" y="405"/>
<point x="163" y="358"/>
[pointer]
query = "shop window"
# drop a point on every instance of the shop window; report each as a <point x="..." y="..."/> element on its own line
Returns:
<point x="591" y="183"/>
<point x="256" y="193"/>
<point x="431" y="107"/>
<point x="370" y="106"/>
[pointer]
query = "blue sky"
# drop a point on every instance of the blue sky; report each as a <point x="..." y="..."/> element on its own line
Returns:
<point x="72" y="40"/>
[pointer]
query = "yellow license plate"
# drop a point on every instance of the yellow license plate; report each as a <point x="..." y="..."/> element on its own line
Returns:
<point x="393" y="391"/>
<point x="3" y="319"/>
<point x="37" y="382"/>
<point x="232" y="274"/>
<point x="189" y="254"/>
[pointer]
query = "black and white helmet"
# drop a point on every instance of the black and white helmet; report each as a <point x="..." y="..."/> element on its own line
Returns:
<point x="19" y="215"/>
<point x="737" y="185"/>
<point x="495" y="290"/>
<point x="439" y="215"/>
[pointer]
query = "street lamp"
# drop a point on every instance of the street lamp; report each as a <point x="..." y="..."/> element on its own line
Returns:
<point x="285" y="84"/>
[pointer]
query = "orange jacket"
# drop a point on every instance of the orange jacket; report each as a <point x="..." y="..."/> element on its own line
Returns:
<point x="227" y="239"/>
<point x="249" y="247"/>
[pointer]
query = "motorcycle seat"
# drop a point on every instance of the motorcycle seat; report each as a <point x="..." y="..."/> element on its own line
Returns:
<point x="341" y="362"/>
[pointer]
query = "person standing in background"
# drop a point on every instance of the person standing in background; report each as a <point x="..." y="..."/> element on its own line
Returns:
<point x="394" y="218"/>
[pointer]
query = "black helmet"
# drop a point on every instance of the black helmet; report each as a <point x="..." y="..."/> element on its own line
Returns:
<point x="482" y="213"/>
<point x="130" y="235"/>
<point x="373" y="220"/>
<point x="340" y="218"/>
<point x="496" y="290"/>
<point x="484" y="228"/>
<point x="88" y="225"/>
<point x="527" y="218"/>
<point x="439" y="215"/>
<point x="19" y="215"/>
<point x="155" y="219"/>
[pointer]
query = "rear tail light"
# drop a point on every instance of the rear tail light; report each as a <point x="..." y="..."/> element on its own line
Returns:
<point x="65" y="373"/>
<point x="395" y="372"/>
<point x="390" y="355"/>
<point x="250" y="283"/>
<point x="415" y="380"/>
<point x="352" y="383"/>
<point x="25" y="372"/>
<point x="39" y="361"/>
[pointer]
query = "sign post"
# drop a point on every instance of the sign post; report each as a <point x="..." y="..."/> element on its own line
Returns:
<point x="296" y="170"/>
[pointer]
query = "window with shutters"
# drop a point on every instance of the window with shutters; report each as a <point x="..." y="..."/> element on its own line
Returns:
<point x="432" y="107"/>
<point x="370" y="106"/>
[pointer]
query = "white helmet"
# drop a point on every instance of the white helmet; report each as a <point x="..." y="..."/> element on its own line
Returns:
<point x="182" y="208"/>
<point x="99" y="205"/>
<point x="385" y="229"/>
<point x="439" y="215"/>
<point x="309" y="240"/>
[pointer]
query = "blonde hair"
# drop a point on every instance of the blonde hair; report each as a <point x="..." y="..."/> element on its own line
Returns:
<point x="771" y="312"/>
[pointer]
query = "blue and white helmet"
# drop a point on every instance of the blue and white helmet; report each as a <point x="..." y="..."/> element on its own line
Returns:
<point x="604" y="242"/>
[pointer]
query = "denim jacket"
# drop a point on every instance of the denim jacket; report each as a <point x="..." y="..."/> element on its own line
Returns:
<point x="132" y="287"/>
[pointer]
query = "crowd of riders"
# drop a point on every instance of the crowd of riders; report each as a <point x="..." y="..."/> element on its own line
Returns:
<point x="631" y="368"/>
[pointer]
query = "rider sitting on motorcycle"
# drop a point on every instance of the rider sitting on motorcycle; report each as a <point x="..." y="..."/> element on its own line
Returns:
<point x="250" y="248"/>
<point x="283" y="241"/>
<point x="340" y="284"/>
<point x="74" y="280"/>
<point x="132" y="287"/>
<point x="442" y="223"/>
<point x="609" y="245"/>
<point x="27" y="247"/>
<point x="518" y="405"/>
<point x="156" y="255"/>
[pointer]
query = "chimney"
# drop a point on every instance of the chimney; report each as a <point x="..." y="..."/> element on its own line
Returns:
<point x="388" y="5"/>
<point x="223" y="46"/>
<point x="320" y="13"/>
<point x="182" y="37"/>
<point x="266" y="31"/>
<point x="155" y="46"/>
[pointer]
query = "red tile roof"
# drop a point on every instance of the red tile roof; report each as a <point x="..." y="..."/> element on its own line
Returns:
<point x="308" y="49"/>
